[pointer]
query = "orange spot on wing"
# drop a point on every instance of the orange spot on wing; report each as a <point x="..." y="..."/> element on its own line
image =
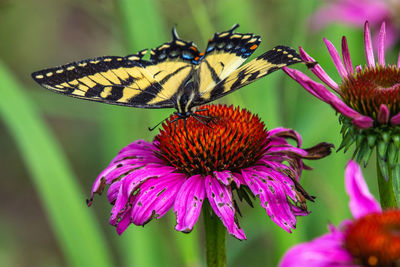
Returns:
<point x="253" y="47"/>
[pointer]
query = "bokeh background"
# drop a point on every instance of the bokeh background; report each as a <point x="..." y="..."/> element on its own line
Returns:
<point x="52" y="147"/>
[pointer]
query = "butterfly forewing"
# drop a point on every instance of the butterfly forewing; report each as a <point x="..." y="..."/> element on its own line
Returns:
<point x="113" y="80"/>
<point x="263" y="65"/>
<point x="224" y="54"/>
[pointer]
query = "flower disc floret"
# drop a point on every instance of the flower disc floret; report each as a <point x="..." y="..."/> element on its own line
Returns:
<point x="367" y="90"/>
<point x="224" y="138"/>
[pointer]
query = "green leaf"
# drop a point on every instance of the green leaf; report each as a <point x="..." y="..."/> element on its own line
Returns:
<point x="72" y="222"/>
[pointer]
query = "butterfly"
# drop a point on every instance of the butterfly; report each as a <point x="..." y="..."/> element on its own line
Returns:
<point x="176" y="76"/>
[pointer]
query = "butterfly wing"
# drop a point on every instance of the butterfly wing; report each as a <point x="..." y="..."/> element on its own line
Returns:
<point x="263" y="65"/>
<point x="130" y="80"/>
<point x="224" y="54"/>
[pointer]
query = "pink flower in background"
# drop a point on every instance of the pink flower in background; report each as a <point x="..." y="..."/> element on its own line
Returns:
<point x="370" y="239"/>
<point x="206" y="163"/>
<point x="367" y="97"/>
<point x="356" y="12"/>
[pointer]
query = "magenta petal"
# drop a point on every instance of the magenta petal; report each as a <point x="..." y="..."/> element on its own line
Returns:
<point x="156" y="197"/>
<point x="336" y="59"/>
<point x="395" y="120"/>
<point x="286" y="133"/>
<point x="363" y="122"/>
<point x="302" y="79"/>
<point x="272" y="197"/>
<point x="362" y="201"/>
<point x="383" y="114"/>
<point x="369" y="53"/>
<point x="225" y="177"/>
<point x="124" y="223"/>
<point x="319" y="72"/>
<point x="220" y="199"/>
<point x="381" y="47"/>
<point x="346" y="56"/>
<point x="327" y="251"/>
<point x="188" y="203"/>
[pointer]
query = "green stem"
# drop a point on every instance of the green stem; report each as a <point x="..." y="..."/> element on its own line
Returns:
<point x="215" y="238"/>
<point x="386" y="192"/>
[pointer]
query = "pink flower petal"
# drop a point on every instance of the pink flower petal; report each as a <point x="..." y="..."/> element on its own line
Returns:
<point x="285" y="133"/>
<point x="188" y="203"/>
<point x="346" y="56"/>
<point x="381" y="47"/>
<point x="336" y="59"/>
<point x="124" y="223"/>
<point x="156" y="197"/>
<point x="383" y="114"/>
<point x="395" y="120"/>
<point x="326" y="250"/>
<point x="225" y="177"/>
<point x="220" y="199"/>
<point x="362" y="202"/>
<point x="319" y="72"/>
<point x="302" y="79"/>
<point x="272" y="198"/>
<point x="369" y="52"/>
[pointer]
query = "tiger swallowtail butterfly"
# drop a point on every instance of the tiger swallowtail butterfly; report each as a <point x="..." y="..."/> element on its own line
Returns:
<point x="176" y="76"/>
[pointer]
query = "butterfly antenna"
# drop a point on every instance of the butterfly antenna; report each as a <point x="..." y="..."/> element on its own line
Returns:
<point x="152" y="128"/>
<point x="234" y="27"/>
<point x="174" y="34"/>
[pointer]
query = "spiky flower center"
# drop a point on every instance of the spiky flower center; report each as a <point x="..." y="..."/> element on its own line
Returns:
<point x="366" y="90"/>
<point x="374" y="240"/>
<point x="223" y="138"/>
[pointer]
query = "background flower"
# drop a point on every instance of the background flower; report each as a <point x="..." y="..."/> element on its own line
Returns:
<point x="355" y="12"/>
<point x="370" y="239"/>
<point x="368" y="100"/>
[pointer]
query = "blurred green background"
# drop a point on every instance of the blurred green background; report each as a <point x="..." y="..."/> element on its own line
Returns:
<point x="53" y="147"/>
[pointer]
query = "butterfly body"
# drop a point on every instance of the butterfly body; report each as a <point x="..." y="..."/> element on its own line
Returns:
<point x="176" y="76"/>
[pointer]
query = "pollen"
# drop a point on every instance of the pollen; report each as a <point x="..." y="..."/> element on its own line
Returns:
<point x="374" y="240"/>
<point x="219" y="138"/>
<point x="367" y="90"/>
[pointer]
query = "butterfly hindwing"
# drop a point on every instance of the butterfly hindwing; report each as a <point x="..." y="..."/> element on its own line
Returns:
<point x="224" y="54"/>
<point x="171" y="65"/>
<point x="259" y="67"/>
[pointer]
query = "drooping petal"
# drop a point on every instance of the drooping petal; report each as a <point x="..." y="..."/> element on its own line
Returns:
<point x="363" y="122"/>
<point x="225" y="177"/>
<point x="369" y="52"/>
<point x="346" y="56"/>
<point x="220" y="199"/>
<point x="327" y="251"/>
<point x="395" y="119"/>
<point x="381" y="45"/>
<point x="273" y="199"/>
<point x="319" y="72"/>
<point x="359" y="120"/>
<point x="188" y="203"/>
<point x="285" y="133"/>
<point x="383" y="114"/>
<point x="124" y="222"/>
<point x="362" y="201"/>
<point x="156" y="197"/>
<point x="336" y="59"/>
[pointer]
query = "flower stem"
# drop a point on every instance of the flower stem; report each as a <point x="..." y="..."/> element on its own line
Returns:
<point x="215" y="238"/>
<point x="386" y="192"/>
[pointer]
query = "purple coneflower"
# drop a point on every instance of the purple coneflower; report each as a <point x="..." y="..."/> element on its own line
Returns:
<point x="371" y="239"/>
<point x="355" y="12"/>
<point x="228" y="157"/>
<point x="369" y="101"/>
